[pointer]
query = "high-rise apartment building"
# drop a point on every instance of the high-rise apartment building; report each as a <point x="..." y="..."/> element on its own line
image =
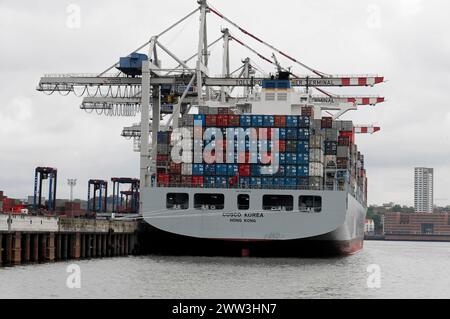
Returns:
<point x="423" y="190"/>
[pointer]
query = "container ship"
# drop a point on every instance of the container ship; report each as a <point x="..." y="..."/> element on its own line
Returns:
<point x="268" y="171"/>
<point x="284" y="181"/>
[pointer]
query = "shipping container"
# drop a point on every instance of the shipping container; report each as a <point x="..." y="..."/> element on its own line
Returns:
<point x="291" y="146"/>
<point x="303" y="134"/>
<point x="316" y="155"/>
<point x="268" y="120"/>
<point x="343" y="151"/>
<point x="244" y="182"/>
<point x="257" y="120"/>
<point x="303" y="171"/>
<point x="280" y="121"/>
<point x="198" y="169"/>
<point x="302" y="147"/>
<point x="292" y="133"/>
<point x="308" y="111"/>
<point x="292" y="121"/>
<point x="316" y="169"/>
<point x="244" y="170"/>
<point x="304" y="121"/>
<point x="291" y="158"/>
<point x="198" y="181"/>
<point x="316" y="141"/>
<point x="330" y="148"/>
<point x="303" y="158"/>
<point x="245" y="120"/>
<point x="186" y="169"/>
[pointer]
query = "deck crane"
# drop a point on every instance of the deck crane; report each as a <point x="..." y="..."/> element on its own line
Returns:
<point x="195" y="81"/>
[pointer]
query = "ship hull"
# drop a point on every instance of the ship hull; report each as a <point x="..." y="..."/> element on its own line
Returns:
<point x="337" y="230"/>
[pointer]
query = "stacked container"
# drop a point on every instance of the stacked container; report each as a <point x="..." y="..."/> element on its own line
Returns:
<point x="312" y="154"/>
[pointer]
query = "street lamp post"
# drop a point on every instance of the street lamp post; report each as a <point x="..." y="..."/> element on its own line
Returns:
<point x="72" y="183"/>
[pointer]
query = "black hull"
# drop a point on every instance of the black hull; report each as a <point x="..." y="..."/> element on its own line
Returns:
<point x="159" y="242"/>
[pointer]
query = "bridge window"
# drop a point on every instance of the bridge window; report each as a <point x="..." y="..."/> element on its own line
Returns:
<point x="209" y="201"/>
<point x="177" y="201"/>
<point x="310" y="204"/>
<point x="278" y="202"/>
<point x="243" y="202"/>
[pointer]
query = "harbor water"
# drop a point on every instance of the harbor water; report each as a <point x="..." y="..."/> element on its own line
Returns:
<point x="401" y="270"/>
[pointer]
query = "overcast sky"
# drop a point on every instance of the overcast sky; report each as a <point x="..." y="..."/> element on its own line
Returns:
<point x="407" y="41"/>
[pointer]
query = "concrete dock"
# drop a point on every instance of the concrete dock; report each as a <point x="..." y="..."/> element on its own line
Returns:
<point x="31" y="239"/>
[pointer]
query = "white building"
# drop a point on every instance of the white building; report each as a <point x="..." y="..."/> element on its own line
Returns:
<point x="423" y="190"/>
<point x="369" y="226"/>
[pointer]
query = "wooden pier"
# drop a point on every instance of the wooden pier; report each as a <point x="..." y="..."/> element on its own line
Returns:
<point x="31" y="239"/>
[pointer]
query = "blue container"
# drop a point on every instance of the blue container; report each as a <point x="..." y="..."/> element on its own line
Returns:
<point x="163" y="137"/>
<point x="210" y="181"/>
<point x="257" y="120"/>
<point x="256" y="170"/>
<point x="302" y="147"/>
<point x="303" y="182"/>
<point x="292" y="121"/>
<point x="278" y="182"/>
<point x="269" y="121"/>
<point x="304" y="121"/>
<point x="210" y="169"/>
<point x="303" y="159"/>
<point x="303" y="134"/>
<point x="255" y="182"/>
<point x="198" y="170"/>
<point x="222" y="169"/>
<point x="281" y="171"/>
<point x="291" y="171"/>
<point x="245" y="120"/>
<point x="221" y="182"/>
<point x="290" y="182"/>
<point x="244" y="182"/>
<point x="232" y="169"/>
<point x="282" y="134"/>
<point x="291" y="133"/>
<point x="291" y="158"/>
<point x="303" y="171"/>
<point x="199" y="120"/>
<point x="267" y="182"/>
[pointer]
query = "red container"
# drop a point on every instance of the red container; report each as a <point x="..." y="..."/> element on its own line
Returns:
<point x="308" y="111"/>
<point x="163" y="180"/>
<point x="211" y="120"/>
<point x="234" y="120"/>
<point x="327" y="122"/>
<point x="222" y="120"/>
<point x="198" y="181"/>
<point x="162" y="158"/>
<point x="349" y="134"/>
<point x="282" y="146"/>
<point x="343" y="141"/>
<point x="244" y="170"/>
<point x="280" y="121"/>
<point x="233" y="182"/>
